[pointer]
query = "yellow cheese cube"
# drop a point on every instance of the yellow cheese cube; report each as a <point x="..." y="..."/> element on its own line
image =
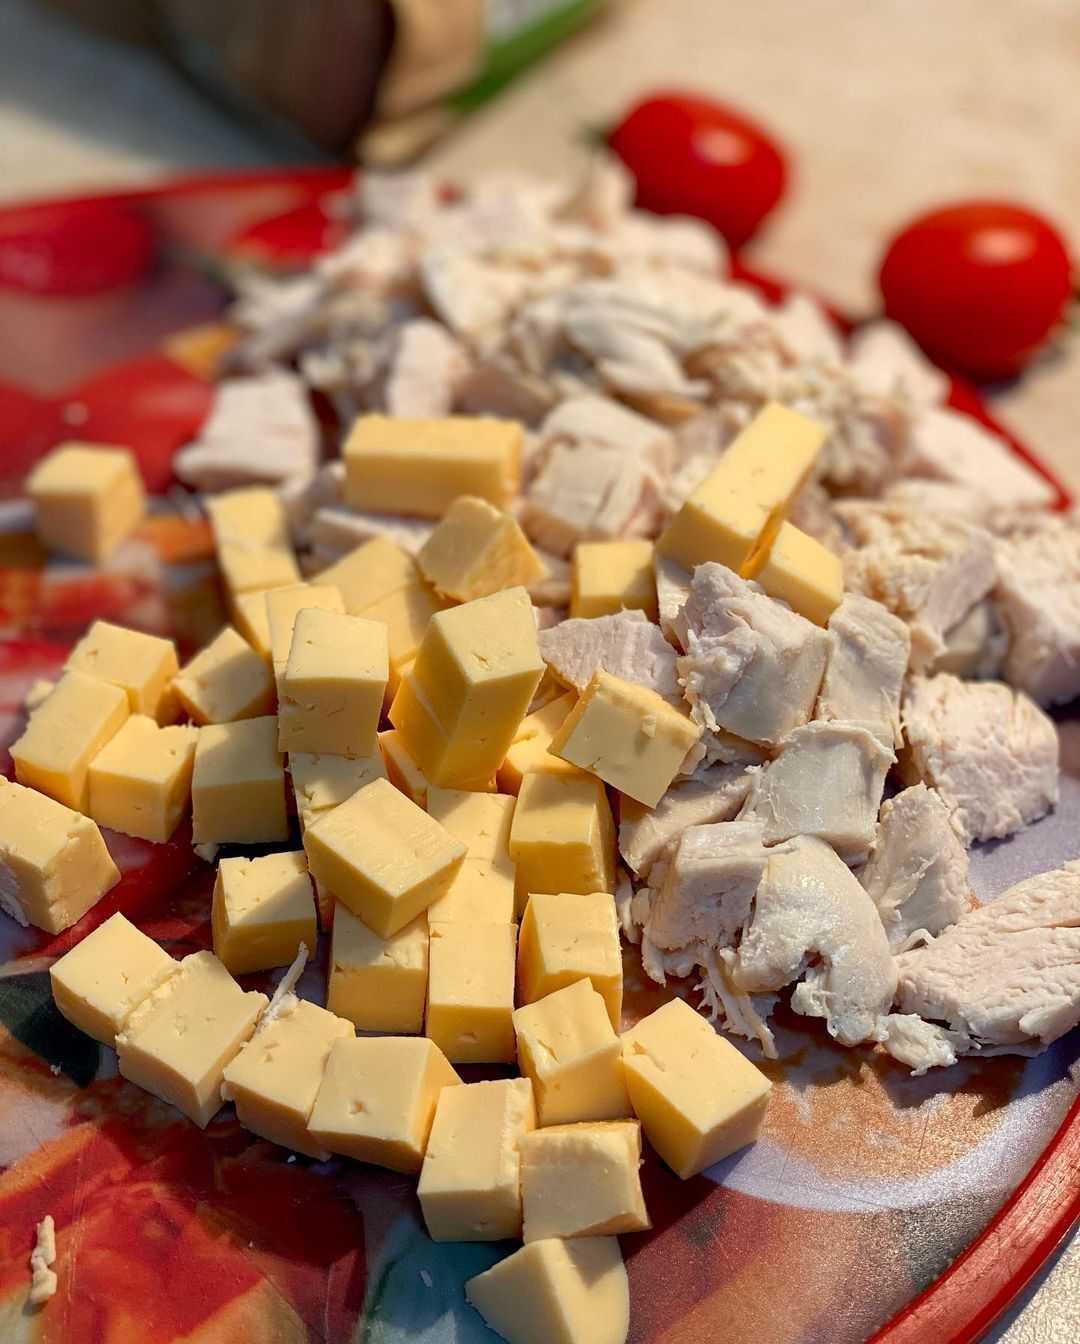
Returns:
<point x="321" y="781"/>
<point x="557" y="1292"/>
<point x="225" y="681"/>
<point x="748" y="493"/>
<point x="582" y="1181"/>
<point x="401" y="770"/>
<point x="262" y="911"/>
<point x="54" y="862"/>
<point x="476" y="550"/>
<point x="177" y="1042"/>
<point x="140" y="781"/>
<point x="256" y="569"/>
<point x="470" y="1001"/>
<point x="405" y="612"/>
<point x="481" y="821"/>
<point x="628" y="735"/>
<point x="611" y="576"/>
<point x="65" y="733"/>
<point x="103" y="978"/>
<point x="481" y="893"/>
<point x="483" y="890"/>
<point x="698" y="1099"/>
<point x="568" y="937"/>
<point x="563" y="836"/>
<point x="568" y="1048"/>
<point x="87" y="498"/>
<point x="377" y="1100"/>
<point x="798" y="570"/>
<point x="282" y="607"/>
<point x="382" y="856"/>
<point x="529" y="749"/>
<point x="395" y="465"/>
<point x="142" y="665"/>
<point x="470" y="1183"/>
<point x="275" y="1078"/>
<point x="379" y="984"/>
<point x="251" y="536"/>
<point x="371" y="572"/>
<point x="39" y="690"/>
<point x="238" y="788"/>
<point x="334" y="683"/>
<point x="251" y="618"/>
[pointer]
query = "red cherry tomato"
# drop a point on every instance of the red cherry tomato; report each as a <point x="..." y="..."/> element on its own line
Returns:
<point x="692" y="156"/>
<point x="74" y="250"/>
<point x="978" y="285"/>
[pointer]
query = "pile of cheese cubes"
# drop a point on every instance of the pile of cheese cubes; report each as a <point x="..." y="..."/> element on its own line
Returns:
<point x="462" y="859"/>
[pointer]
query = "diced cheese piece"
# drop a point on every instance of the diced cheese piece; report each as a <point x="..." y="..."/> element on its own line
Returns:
<point x="628" y="735"/>
<point x="251" y="535"/>
<point x="39" y="690"/>
<point x="65" y="733"/>
<point x="582" y="1181"/>
<point x="378" y="1097"/>
<point x="275" y="1078"/>
<point x="382" y="856"/>
<point x="238" y="789"/>
<point x="568" y="1048"/>
<point x="321" y="781"/>
<point x="470" y="1183"/>
<point x="563" y="836"/>
<point x="798" y="570"/>
<point x="611" y="576"/>
<point x="557" y="1292"/>
<point x="379" y="984"/>
<point x="568" y="937"/>
<point x="698" y="1099"/>
<point x="529" y="749"/>
<point x="251" y="618"/>
<point x="371" y="572"/>
<point x="748" y="493"/>
<point x="470" y="1001"/>
<point x="483" y="892"/>
<point x="256" y="569"/>
<point x="397" y="465"/>
<point x="401" y="769"/>
<point x="475" y="673"/>
<point x="225" y="681"/>
<point x="177" y="1042"/>
<point x="142" y="665"/>
<point x="201" y="348"/>
<point x="140" y="781"/>
<point x="53" y="862"/>
<point x="481" y="821"/>
<point x="405" y="612"/>
<point x="103" y="978"/>
<point x="262" y="911"/>
<point x="477" y="550"/>
<point x="334" y="683"/>
<point x="282" y="607"/>
<point x="87" y="498"/>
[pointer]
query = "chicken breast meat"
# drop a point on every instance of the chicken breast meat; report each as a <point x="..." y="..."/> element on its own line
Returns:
<point x="628" y="645"/>
<point x="865" y="671"/>
<point x="1038" y="595"/>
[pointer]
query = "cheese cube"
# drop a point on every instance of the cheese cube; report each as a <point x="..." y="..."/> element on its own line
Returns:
<point x="748" y="493"/>
<point x="282" y="607"/>
<point x="470" y="1183"/>
<point x="275" y="1078"/>
<point x="405" y="612"/>
<point x="628" y="735"/>
<point x="377" y="1100"/>
<point x="529" y="749"/>
<point x="262" y="911"/>
<point x="611" y="576"/>
<point x="140" y="781"/>
<point x="473" y="679"/>
<point x="141" y="665"/>
<point x="382" y="856"/>
<point x="103" y="978"/>
<point x="698" y="1099"/>
<point x="396" y="465"/>
<point x="238" y="789"/>
<point x="401" y="770"/>
<point x="65" y="733"/>
<point x="568" y="1048"/>
<point x="251" y="537"/>
<point x="256" y="569"/>
<point x="334" y="683"/>
<point x="177" y="1042"/>
<point x="476" y="550"/>
<point x="481" y="821"/>
<point x="569" y="937"/>
<point x="582" y="1181"/>
<point x="87" y="498"/>
<point x="321" y="781"/>
<point x="53" y="861"/>
<point x="225" y="681"/>
<point x="379" y="984"/>
<point x="371" y="572"/>
<point x="470" y="1000"/>
<point x="798" y="570"/>
<point x="563" y="837"/>
<point x="483" y="892"/>
<point x="249" y="614"/>
<point x="40" y="689"/>
<point x="557" y="1292"/>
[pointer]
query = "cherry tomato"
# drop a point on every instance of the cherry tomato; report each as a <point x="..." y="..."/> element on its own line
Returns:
<point x="74" y="250"/>
<point x="978" y="285"/>
<point x="692" y="156"/>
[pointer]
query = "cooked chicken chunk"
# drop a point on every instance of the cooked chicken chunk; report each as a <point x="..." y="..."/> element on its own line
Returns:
<point x="1038" y="591"/>
<point x="806" y="331"/>
<point x="627" y="645"/>
<point x="989" y="751"/>
<point x="884" y="359"/>
<point x="866" y="667"/>
<point x="714" y="793"/>
<point x="425" y="371"/>
<point x="334" y="531"/>
<point x="672" y="590"/>
<point x="917" y="873"/>
<point x="949" y="446"/>
<point x="498" y="386"/>
<point x="918" y="1044"/>
<point x="975" y="646"/>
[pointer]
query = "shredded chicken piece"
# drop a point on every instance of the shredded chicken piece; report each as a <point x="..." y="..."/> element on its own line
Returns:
<point x="627" y="645"/>
<point x="1038" y="594"/>
<point x="949" y="446"/>
<point x="714" y="793"/>
<point x="43" y="1280"/>
<point x="883" y="358"/>
<point x="865" y="671"/>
